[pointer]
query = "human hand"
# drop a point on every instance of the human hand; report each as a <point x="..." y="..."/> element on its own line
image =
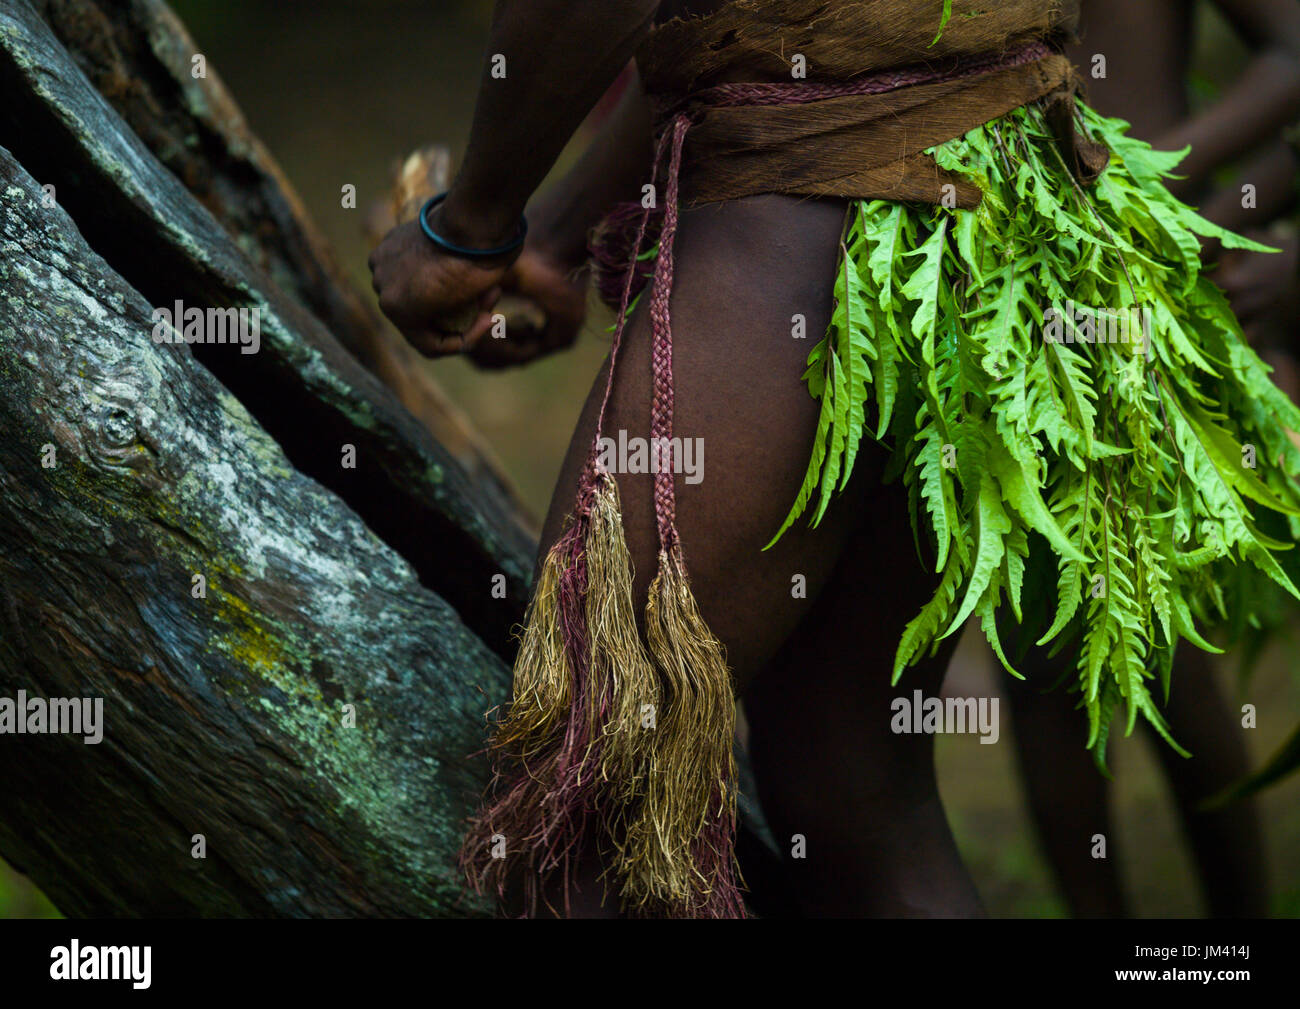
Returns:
<point x="544" y="305"/>
<point x="439" y="301"/>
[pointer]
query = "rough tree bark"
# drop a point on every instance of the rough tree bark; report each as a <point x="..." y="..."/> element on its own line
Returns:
<point x="313" y="711"/>
<point x="139" y="57"/>
<point x="224" y="715"/>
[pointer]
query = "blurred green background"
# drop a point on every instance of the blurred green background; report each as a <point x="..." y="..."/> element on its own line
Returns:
<point x="338" y="90"/>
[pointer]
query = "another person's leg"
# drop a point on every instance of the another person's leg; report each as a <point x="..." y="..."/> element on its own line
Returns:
<point x="1227" y="844"/>
<point x="1068" y="797"/>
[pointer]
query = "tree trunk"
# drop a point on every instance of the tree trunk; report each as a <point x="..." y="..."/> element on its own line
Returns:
<point x="139" y="57"/>
<point x="295" y="655"/>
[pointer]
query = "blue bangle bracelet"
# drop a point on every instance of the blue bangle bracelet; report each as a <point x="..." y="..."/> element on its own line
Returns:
<point x="460" y="250"/>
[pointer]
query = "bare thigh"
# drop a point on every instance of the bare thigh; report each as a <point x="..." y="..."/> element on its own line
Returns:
<point x="744" y="270"/>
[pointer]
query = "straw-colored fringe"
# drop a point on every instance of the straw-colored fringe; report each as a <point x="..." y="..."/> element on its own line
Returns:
<point x="618" y="664"/>
<point x="542" y="689"/>
<point x="529" y="736"/>
<point x="662" y="792"/>
<point x="574" y="719"/>
<point x="677" y="853"/>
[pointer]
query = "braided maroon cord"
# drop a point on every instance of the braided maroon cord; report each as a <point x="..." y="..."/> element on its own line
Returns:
<point x="661" y="410"/>
<point x="588" y="480"/>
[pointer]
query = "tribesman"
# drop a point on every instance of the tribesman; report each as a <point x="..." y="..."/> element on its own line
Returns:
<point x="909" y="186"/>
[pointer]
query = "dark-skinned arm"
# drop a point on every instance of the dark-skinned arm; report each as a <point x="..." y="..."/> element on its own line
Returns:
<point x="550" y="273"/>
<point x="560" y="57"/>
<point x="611" y="170"/>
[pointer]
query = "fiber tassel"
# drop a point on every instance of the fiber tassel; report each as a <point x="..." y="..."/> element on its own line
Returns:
<point x="521" y="831"/>
<point x="542" y="682"/>
<point x="582" y="678"/>
<point x="618" y="663"/>
<point x="678" y="852"/>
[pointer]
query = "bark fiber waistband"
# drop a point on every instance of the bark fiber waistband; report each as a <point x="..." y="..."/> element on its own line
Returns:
<point x="856" y="146"/>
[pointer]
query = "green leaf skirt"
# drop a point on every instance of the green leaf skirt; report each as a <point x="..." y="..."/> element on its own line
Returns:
<point x="1092" y="453"/>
